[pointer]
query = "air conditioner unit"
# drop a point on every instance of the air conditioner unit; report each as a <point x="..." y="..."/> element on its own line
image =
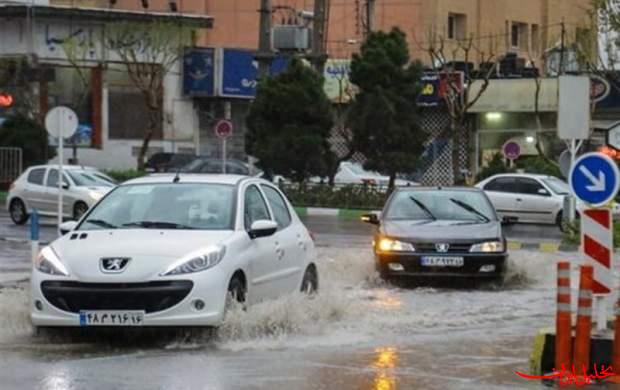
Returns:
<point x="295" y="38"/>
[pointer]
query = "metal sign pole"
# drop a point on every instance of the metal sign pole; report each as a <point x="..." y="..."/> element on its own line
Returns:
<point x="60" y="172"/>
<point x="224" y="155"/>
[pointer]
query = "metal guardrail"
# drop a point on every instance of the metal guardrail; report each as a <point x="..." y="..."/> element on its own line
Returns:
<point x="11" y="164"/>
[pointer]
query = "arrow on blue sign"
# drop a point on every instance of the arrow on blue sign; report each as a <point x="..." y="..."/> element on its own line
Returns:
<point x="594" y="178"/>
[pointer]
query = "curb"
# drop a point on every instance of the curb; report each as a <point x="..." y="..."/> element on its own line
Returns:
<point x="544" y="247"/>
<point x="21" y="240"/>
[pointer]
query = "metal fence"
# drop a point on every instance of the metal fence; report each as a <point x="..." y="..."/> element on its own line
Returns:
<point x="11" y="165"/>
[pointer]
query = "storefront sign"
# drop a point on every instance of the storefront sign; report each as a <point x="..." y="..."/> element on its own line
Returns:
<point x="337" y="86"/>
<point x="435" y="87"/>
<point x="240" y="70"/>
<point x="199" y="72"/>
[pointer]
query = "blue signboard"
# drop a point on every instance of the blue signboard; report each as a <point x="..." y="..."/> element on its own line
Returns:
<point x="429" y="94"/>
<point x="198" y="72"/>
<point x="594" y="178"/>
<point x="240" y="70"/>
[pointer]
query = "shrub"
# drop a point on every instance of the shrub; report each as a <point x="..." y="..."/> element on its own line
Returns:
<point x="21" y="132"/>
<point x="124" y="175"/>
<point x="346" y="197"/>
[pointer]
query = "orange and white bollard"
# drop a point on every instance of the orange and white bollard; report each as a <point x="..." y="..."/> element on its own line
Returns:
<point x="615" y="355"/>
<point x="563" y="328"/>
<point x="581" y="351"/>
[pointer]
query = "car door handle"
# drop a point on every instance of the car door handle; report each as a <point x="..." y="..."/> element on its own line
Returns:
<point x="519" y="199"/>
<point x="280" y="253"/>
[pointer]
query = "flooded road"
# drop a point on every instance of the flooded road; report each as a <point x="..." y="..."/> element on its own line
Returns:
<point x="357" y="333"/>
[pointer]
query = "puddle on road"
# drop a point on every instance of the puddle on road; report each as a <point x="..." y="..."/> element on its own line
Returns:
<point x="353" y="307"/>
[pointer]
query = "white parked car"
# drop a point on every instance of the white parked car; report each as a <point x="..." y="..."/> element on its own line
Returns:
<point x="354" y="173"/>
<point x="37" y="188"/>
<point x="168" y="250"/>
<point x="528" y="198"/>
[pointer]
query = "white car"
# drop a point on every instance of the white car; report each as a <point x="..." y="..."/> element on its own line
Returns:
<point x="528" y="198"/>
<point x="168" y="250"/>
<point x="37" y="188"/>
<point x="354" y="173"/>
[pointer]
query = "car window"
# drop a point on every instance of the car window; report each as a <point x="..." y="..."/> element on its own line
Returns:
<point x="52" y="178"/>
<point x="528" y="186"/>
<point x="255" y="207"/>
<point x="236" y="169"/>
<point x="278" y="206"/>
<point x="502" y="184"/>
<point x="558" y="186"/>
<point x="184" y="206"/>
<point x="88" y="179"/>
<point x="36" y="176"/>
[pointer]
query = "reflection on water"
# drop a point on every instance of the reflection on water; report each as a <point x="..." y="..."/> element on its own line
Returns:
<point x="59" y="379"/>
<point x="384" y="364"/>
<point x="387" y="299"/>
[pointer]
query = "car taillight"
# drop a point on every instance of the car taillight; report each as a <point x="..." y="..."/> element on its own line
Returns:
<point x="371" y="182"/>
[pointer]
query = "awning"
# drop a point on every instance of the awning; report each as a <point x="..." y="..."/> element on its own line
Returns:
<point x="102" y="14"/>
<point x="604" y="124"/>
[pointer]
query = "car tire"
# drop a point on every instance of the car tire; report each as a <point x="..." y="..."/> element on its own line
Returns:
<point x="310" y="281"/>
<point x="236" y="291"/>
<point x="79" y="208"/>
<point x="559" y="221"/>
<point x="17" y="210"/>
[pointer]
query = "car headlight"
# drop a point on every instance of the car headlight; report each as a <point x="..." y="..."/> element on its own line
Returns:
<point x="389" y="245"/>
<point x="96" y="195"/>
<point x="49" y="263"/>
<point x="197" y="262"/>
<point x="488" y="247"/>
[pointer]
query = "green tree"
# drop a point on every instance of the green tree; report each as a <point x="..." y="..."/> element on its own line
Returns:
<point x="289" y="124"/>
<point x="384" y="115"/>
<point x="21" y="132"/>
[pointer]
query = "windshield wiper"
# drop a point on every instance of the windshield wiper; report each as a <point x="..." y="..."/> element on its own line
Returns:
<point x="470" y="208"/>
<point x="156" y="225"/>
<point x="102" y="223"/>
<point x="424" y="208"/>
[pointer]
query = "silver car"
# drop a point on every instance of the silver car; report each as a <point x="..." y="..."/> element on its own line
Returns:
<point x="37" y="188"/>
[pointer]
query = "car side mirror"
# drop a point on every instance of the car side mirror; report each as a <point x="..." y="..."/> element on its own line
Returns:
<point x="262" y="228"/>
<point x="370" y="218"/>
<point x="542" y="191"/>
<point x="66" y="227"/>
<point x="65" y="185"/>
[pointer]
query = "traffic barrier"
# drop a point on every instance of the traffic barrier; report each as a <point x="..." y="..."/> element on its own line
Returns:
<point x="615" y="354"/>
<point x="581" y="350"/>
<point x="563" y="327"/>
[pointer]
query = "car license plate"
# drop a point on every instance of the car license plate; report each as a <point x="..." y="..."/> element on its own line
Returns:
<point x="111" y="318"/>
<point x="442" y="261"/>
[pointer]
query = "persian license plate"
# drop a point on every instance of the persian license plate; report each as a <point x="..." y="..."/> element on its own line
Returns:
<point x="442" y="261"/>
<point x="111" y="318"/>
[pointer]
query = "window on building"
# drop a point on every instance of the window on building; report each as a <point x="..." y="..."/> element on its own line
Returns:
<point x="457" y="26"/>
<point x="535" y="46"/>
<point x="519" y="36"/>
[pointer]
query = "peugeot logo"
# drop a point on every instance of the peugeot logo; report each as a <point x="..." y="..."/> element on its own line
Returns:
<point x="113" y="265"/>
<point x="443" y="248"/>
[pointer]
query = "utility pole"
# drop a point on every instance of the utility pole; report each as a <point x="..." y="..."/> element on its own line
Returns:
<point x="265" y="54"/>
<point x="562" y="48"/>
<point x="319" y="25"/>
<point x="370" y="16"/>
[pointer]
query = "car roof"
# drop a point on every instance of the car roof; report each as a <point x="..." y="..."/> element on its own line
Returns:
<point x="527" y="175"/>
<point x="65" y="167"/>
<point x="190" y="178"/>
<point x="437" y="188"/>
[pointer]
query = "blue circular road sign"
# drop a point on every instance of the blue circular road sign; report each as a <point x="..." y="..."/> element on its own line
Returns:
<point x="594" y="178"/>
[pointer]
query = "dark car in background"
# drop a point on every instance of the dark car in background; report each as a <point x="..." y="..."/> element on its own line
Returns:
<point x="438" y="232"/>
<point x="167" y="162"/>
<point x="214" y="165"/>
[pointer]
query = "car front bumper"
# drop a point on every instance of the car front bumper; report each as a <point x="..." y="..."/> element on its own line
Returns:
<point x="411" y="265"/>
<point x="59" y="305"/>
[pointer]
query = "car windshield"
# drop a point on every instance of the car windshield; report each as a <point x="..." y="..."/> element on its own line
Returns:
<point x="205" y="206"/>
<point x="88" y="179"/>
<point x="454" y="205"/>
<point x="557" y="186"/>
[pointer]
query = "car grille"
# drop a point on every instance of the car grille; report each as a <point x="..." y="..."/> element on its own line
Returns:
<point x="150" y="297"/>
<point x="454" y="247"/>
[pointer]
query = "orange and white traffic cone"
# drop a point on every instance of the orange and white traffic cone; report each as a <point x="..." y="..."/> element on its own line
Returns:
<point x="563" y="327"/>
<point x="615" y="356"/>
<point x="581" y="351"/>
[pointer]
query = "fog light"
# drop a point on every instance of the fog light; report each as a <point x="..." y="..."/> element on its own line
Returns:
<point x="487" y="268"/>
<point x="396" y="267"/>
<point x="199" y="304"/>
<point x="38" y="305"/>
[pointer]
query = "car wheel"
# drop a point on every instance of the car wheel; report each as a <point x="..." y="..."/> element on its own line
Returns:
<point x="18" y="212"/>
<point x="236" y="292"/>
<point x="310" y="282"/>
<point x="79" y="209"/>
